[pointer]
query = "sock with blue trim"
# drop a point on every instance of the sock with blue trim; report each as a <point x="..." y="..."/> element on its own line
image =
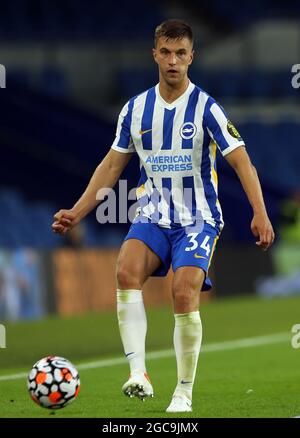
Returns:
<point x="187" y="343"/>
<point x="133" y="326"/>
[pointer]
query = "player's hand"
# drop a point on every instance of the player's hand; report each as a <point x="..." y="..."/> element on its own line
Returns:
<point x="262" y="228"/>
<point x="64" y="220"/>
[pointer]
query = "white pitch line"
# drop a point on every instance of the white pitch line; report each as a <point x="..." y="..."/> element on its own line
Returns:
<point x="209" y="348"/>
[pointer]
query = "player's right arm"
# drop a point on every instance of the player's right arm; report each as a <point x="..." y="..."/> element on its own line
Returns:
<point x="105" y="176"/>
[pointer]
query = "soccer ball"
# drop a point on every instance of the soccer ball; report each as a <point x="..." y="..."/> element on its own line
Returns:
<point x="53" y="382"/>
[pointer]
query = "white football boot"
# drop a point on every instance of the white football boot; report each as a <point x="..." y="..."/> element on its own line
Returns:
<point x="138" y="385"/>
<point x="180" y="403"/>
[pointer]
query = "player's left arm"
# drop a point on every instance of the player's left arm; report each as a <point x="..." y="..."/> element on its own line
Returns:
<point x="261" y="226"/>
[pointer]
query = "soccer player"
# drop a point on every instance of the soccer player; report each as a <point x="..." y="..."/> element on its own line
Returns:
<point x="175" y="128"/>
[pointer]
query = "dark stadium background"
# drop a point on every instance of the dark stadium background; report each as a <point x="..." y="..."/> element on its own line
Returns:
<point x="70" y="67"/>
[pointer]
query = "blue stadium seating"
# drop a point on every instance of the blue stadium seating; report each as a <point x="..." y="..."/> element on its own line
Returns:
<point x="73" y="19"/>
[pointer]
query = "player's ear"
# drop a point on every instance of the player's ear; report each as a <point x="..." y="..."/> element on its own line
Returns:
<point x="154" y="55"/>
<point x="191" y="57"/>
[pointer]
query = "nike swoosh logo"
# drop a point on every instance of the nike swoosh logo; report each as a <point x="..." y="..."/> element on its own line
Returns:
<point x="145" y="132"/>
<point x="183" y="382"/>
<point x="128" y="354"/>
<point x="199" y="257"/>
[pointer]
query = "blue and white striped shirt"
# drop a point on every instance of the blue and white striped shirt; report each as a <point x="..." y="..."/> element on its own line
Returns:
<point x="176" y="144"/>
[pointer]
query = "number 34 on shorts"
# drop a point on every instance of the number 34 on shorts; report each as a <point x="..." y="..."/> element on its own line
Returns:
<point x="200" y="247"/>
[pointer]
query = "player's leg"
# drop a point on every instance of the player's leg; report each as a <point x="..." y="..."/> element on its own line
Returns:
<point x="192" y="254"/>
<point x="186" y="287"/>
<point x="135" y="264"/>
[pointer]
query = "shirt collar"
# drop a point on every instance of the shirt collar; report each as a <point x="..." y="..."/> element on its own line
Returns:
<point x="172" y="105"/>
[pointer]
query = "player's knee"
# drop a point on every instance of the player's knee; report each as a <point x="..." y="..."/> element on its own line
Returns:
<point x="185" y="291"/>
<point x="127" y="278"/>
<point x="182" y="299"/>
<point x="186" y="285"/>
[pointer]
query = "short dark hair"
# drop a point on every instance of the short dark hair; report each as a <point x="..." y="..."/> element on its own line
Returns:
<point x="173" y="29"/>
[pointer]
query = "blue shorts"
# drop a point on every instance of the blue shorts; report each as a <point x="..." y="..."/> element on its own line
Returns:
<point x="174" y="246"/>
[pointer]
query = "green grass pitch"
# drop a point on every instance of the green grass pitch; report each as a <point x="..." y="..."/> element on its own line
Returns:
<point x="233" y="380"/>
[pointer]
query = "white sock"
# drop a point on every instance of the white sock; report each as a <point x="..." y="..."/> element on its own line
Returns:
<point x="187" y="343"/>
<point x="133" y="326"/>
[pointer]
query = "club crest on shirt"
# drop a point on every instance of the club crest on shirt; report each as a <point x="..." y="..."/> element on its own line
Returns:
<point x="232" y="130"/>
<point x="188" y="130"/>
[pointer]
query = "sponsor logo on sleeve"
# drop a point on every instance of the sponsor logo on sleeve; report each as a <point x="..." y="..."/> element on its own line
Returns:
<point x="232" y="130"/>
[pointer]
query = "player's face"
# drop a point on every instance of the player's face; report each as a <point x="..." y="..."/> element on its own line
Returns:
<point x="173" y="58"/>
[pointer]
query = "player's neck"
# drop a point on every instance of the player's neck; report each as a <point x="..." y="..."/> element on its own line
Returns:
<point x="170" y="93"/>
